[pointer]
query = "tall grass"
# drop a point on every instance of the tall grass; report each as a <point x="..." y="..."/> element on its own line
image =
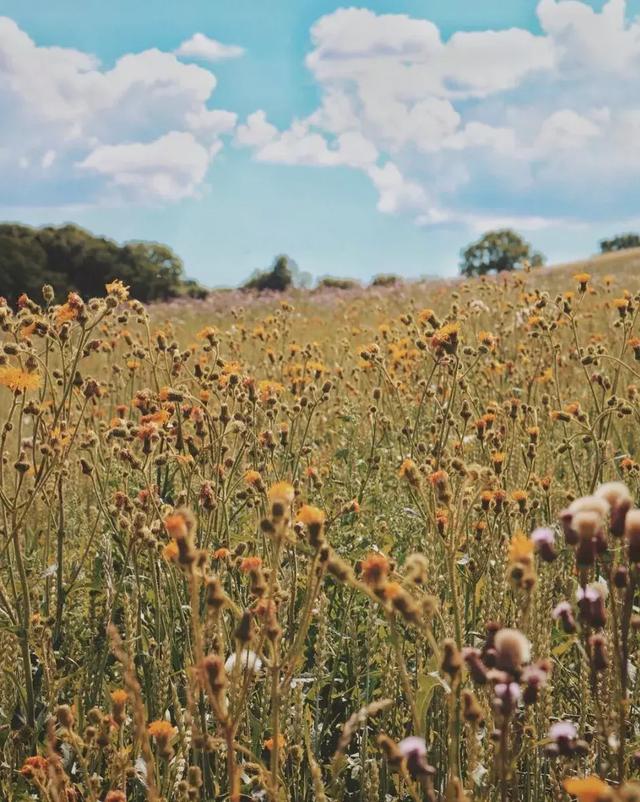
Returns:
<point x="358" y="545"/>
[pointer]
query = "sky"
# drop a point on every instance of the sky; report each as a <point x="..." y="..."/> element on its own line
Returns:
<point x="381" y="137"/>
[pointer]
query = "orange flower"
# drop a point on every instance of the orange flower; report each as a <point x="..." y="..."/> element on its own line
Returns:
<point x="170" y="551"/>
<point x="119" y="696"/>
<point x="438" y="477"/>
<point x="309" y="515"/>
<point x="253" y="478"/>
<point x="250" y="564"/>
<point x="17" y="379"/>
<point x="375" y="568"/>
<point x="221" y="554"/>
<point x="177" y="525"/>
<point x="119" y="290"/>
<point x="269" y="743"/>
<point x="409" y="471"/>
<point x="521" y="549"/>
<point x="587" y="789"/>
<point x="281" y="493"/>
<point x="583" y="279"/>
<point x="392" y="590"/>
<point x="446" y="336"/>
<point x="34" y="765"/>
<point x="161" y="729"/>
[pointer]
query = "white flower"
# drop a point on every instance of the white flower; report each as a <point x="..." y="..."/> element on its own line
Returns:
<point x="248" y="660"/>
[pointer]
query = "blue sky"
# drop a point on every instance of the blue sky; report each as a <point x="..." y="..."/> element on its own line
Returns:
<point x="359" y="140"/>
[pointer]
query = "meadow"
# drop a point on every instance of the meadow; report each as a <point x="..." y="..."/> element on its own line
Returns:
<point x="365" y="545"/>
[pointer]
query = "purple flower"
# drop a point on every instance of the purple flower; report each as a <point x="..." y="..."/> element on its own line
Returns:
<point x="560" y="610"/>
<point x="512" y="689"/>
<point x="413" y="746"/>
<point x="589" y="594"/>
<point x="562" y="730"/>
<point x="414" y="750"/>
<point x="543" y="534"/>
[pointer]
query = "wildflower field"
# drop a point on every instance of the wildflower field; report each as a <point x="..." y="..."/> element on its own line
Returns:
<point x="364" y="545"/>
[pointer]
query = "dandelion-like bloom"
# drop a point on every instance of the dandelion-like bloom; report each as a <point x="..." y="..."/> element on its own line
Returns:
<point x="521" y="549"/>
<point x="313" y="518"/>
<point x="270" y="742"/>
<point x="170" y="551"/>
<point x="409" y="470"/>
<point x="375" y="568"/>
<point x="583" y="279"/>
<point x="118" y="290"/>
<point x="253" y="479"/>
<point x="250" y="564"/>
<point x="17" y="379"/>
<point x="587" y="789"/>
<point x="281" y="496"/>
<point x="34" y="766"/>
<point x="512" y="648"/>
<point x="176" y="525"/>
<point x="161" y="729"/>
<point x="446" y="337"/>
<point x="310" y="516"/>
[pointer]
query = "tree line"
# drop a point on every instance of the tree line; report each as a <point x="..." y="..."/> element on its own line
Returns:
<point x="71" y="259"/>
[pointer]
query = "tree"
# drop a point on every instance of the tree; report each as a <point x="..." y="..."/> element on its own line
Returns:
<point x="278" y="278"/>
<point x="620" y="242"/>
<point x="72" y="259"/>
<point x="497" y="251"/>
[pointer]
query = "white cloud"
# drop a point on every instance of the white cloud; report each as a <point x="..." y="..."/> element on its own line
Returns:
<point x="169" y="168"/>
<point x="203" y="47"/>
<point x="483" y="126"/>
<point x="565" y="129"/>
<point x="299" y="145"/>
<point x="256" y="132"/>
<point x="48" y="159"/>
<point x="396" y="194"/>
<point x="64" y="113"/>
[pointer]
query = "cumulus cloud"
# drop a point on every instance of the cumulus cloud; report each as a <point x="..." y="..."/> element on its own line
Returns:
<point x="141" y="130"/>
<point x="204" y="48"/>
<point x="481" y="126"/>
<point x="169" y="168"/>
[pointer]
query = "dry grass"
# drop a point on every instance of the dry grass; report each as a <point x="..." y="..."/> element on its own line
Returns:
<point x="319" y="548"/>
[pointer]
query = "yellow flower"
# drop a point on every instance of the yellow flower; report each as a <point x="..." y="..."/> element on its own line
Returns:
<point x="119" y="290"/>
<point x="253" y="478"/>
<point x="17" y="379"/>
<point x="119" y="696"/>
<point x="281" y="492"/>
<point x="268" y="744"/>
<point x="310" y="516"/>
<point x="269" y="389"/>
<point x="161" y="729"/>
<point x="587" y="789"/>
<point x="170" y="551"/>
<point x="521" y="549"/>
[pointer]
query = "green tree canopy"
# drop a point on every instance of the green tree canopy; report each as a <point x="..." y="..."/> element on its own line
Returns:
<point x="620" y="242"/>
<point x="496" y="251"/>
<point x="278" y="278"/>
<point x="72" y="259"/>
